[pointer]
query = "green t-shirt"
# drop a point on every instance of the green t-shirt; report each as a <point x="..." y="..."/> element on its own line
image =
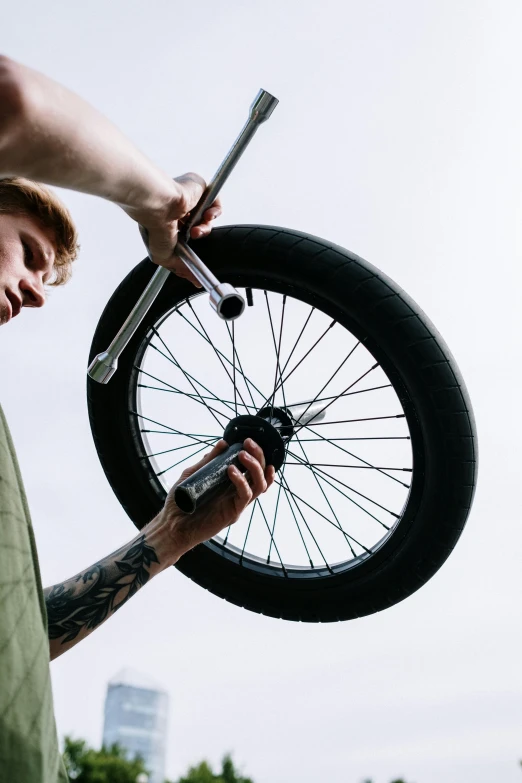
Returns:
<point x="29" y="750"/>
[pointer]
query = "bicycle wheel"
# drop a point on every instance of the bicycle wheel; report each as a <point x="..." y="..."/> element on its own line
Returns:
<point x="374" y="491"/>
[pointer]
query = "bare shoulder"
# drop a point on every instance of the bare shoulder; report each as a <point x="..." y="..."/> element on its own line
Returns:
<point x="13" y="95"/>
<point x="11" y="84"/>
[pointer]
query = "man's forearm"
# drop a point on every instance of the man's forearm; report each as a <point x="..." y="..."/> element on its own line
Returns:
<point x="76" y="607"/>
<point x="80" y="604"/>
<point x="49" y="134"/>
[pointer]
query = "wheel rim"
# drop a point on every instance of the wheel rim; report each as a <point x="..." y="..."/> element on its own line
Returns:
<point x="346" y="481"/>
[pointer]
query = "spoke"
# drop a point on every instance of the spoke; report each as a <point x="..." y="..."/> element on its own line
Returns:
<point x="355" y="456"/>
<point x="197" y="398"/>
<point x="275" y="517"/>
<point x="221" y="354"/>
<point x="189" y="378"/>
<point x="274" y="543"/>
<point x="334" y="478"/>
<point x="182" y="460"/>
<point x="294" y="496"/>
<point x="188" y="434"/>
<point x="248" y="531"/>
<point x="283" y="380"/>
<point x="234" y="365"/>
<point x="171" y="429"/>
<point x="358" y="467"/>
<point x="178" y="448"/>
<point x="346" y="394"/>
<point x="256" y="503"/>
<point x="324" y="495"/>
<point x="298" y="339"/>
<point x="298" y="527"/>
<point x="385" y="437"/>
<point x="277" y="348"/>
<point x="215" y="351"/>
<point x="349" y="421"/>
<point x="347" y="388"/>
<point x="247" y="382"/>
<point x="363" y="391"/>
<point x="174" y="390"/>
<point x="329" y="381"/>
<point x="311" y="467"/>
<point x="188" y="375"/>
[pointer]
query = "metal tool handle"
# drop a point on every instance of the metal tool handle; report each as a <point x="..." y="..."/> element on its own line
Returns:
<point x="223" y="297"/>
<point x="260" y="110"/>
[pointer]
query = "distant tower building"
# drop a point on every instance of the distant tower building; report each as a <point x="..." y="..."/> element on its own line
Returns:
<point x="136" y="718"/>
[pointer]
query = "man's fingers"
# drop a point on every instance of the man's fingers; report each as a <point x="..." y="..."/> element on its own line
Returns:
<point x="161" y="240"/>
<point x="220" y="446"/>
<point x="213" y="212"/>
<point x="182" y="270"/>
<point x="204" y="228"/>
<point x="252" y="448"/>
<point x="253" y="459"/>
<point x="257" y="475"/>
<point x="197" y="232"/>
<point x="243" y="488"/>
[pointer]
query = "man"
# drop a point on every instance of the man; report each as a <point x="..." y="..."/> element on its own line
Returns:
<point x="48" y="134"/>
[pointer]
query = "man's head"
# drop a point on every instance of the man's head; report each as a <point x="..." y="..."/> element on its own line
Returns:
<point x="38" y="243"/>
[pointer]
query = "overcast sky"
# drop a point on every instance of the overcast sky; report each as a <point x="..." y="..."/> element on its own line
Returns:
<point x="398" y="136"/>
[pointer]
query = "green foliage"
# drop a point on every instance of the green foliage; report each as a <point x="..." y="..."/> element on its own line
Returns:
<point x="398" y="780"/>
<point x="108" y="765"/>
<point x="203" y="774"/>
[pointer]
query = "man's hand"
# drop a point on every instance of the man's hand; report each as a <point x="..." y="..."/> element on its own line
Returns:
<point x="51" y="135"/>
<point x="160" y="228"/>
<point x="188" y="530"/>
<point x="78" y="605"/>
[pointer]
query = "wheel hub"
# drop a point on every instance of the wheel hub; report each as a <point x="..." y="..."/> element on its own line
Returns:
<point x="272" y="427"/>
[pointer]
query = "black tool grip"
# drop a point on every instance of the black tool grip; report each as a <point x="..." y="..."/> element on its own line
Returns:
<point x="208" y="481"/>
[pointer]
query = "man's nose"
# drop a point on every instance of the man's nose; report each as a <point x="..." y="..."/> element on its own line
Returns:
<point x="32" y="291"/>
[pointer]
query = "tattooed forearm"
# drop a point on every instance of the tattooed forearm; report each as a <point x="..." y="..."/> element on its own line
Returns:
<point x="77" y="606"/>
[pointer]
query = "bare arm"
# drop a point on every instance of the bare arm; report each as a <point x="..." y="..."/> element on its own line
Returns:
<point x="80" y="604"/>
<point x="77" y="606"/>
<point x="51" y="135"/>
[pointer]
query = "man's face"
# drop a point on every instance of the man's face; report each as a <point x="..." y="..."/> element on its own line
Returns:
<point x="27" y="254"/>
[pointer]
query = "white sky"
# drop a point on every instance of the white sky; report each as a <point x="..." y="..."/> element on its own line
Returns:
<point x="398" y="137"/>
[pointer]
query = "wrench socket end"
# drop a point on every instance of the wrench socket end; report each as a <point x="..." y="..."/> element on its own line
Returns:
<point x="226" y="301"/>
<point x="102" y="368"/>
<point x="263" y="106"/>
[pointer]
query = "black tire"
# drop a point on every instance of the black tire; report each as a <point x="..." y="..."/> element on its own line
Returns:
<point x="415" y="359"/>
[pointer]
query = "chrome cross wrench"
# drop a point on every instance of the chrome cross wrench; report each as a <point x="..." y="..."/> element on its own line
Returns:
<point x="225" y="300"/>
